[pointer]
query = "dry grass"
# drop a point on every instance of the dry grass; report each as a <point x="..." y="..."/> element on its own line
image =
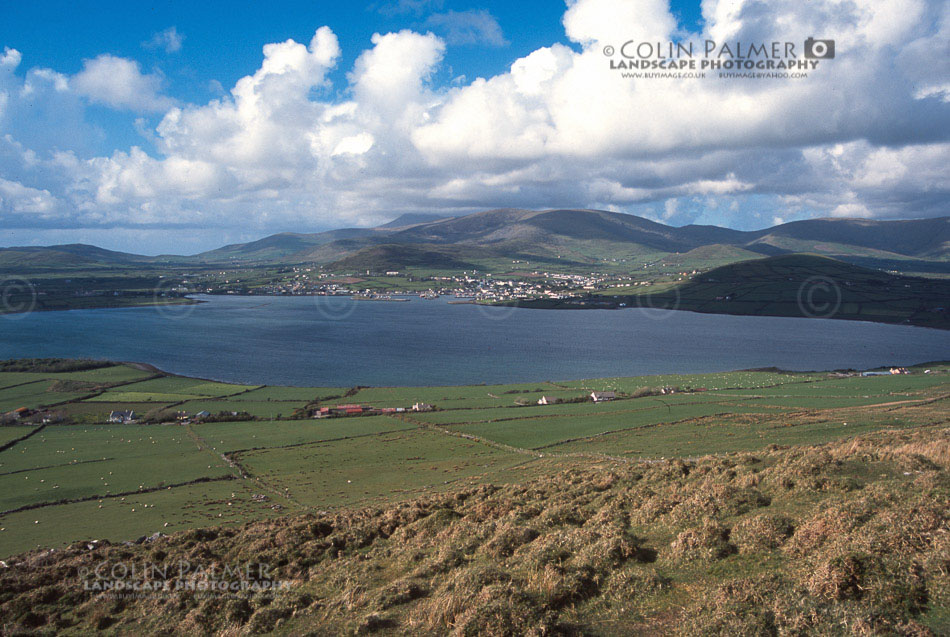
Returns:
<point x="847" y="538"/>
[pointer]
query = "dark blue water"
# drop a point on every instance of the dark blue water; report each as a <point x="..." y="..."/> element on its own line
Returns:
<point x="342" y="342"/>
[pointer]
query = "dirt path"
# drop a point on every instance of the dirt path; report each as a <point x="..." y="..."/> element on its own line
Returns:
<point x="239" y="470"/>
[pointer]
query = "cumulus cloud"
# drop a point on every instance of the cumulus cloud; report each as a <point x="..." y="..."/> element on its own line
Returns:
<point x="865" y="134"/>
<point x="15" y="196"/>
<point x="590" y="21"/>
<point x="119" y="83"/>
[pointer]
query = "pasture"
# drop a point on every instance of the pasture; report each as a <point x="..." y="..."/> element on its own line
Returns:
<point x="80" y="477"/>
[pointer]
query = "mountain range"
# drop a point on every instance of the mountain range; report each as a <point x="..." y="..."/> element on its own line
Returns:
<point x="560" y="236"/>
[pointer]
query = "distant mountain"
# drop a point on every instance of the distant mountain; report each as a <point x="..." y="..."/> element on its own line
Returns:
<point x="66" y="255"/>
<point x="548" y="227"/>
<point x="412" y="219"/>
<point x="927" y="238"/>
<point x="578" y="236"/>
<point x="711" y="255"/>
<point x="592" y="236"/>
<point x="399" y="256"/>
<point x="276" y="247"/>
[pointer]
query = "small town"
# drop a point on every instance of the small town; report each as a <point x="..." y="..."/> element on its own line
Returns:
<point x="472" y="285"/>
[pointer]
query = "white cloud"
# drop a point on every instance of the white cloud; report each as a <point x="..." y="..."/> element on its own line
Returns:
<point x="416" y="7"/>
<point x="10" y="58"/>
<point x="19" y="199"/>
<point x="169" y="40"/>
<point x="120" y="83"/>
<point x="474" y="26"/>
<point x="851" y="210"/>
<point x="864" y="134"/>
<point x="610" y="22"/>
<point x="717" y="186"/>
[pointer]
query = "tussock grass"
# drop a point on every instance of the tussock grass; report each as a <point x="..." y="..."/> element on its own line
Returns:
<point x="851" y="537"/>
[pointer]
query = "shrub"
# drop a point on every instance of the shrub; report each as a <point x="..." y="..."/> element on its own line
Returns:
<point x="762" y="532"/>
<point x="707" y="543"/>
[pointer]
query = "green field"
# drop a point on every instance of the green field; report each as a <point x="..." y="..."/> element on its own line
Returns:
<point x="188" y="386"/>
<point x="234" y="436"/>
<point x="12" y="433"/>
<point x="381" y="467"/>
<point x="67" y="481"/>
<point x="265" y="409"/>
<point x="290" y="393"/>
<point x="75" y="462"/>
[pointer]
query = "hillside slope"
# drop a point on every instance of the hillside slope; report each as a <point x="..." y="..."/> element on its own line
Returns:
<point x="813" y="286"/>
<point x="796" y="285"/>
<point x="587" y="236"/>
<point x="846" y="538"/>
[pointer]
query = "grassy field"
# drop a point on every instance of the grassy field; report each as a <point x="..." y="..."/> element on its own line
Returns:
<point x="383" y="467"/>
<point x="846" y="538"/>
<point x="235" y="436"/>
<point x="53" y="483"/>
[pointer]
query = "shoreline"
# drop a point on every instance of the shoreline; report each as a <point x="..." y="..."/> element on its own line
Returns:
<point x="616" y="306"/>
<point x="530" y="304"/>
<point x="554" y="382"/>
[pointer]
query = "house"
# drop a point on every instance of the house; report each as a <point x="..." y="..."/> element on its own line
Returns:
<point x="349" y="410"/>
<point x="202" y="415"/>
<point x="602" y="396"/>
<point x="549" y="400"/>
<point x="422" y="407"/>
<point x="122" y="417"/>
<point x="898" y="370"/>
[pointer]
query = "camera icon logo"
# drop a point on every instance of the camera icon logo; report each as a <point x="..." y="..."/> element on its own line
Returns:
<point x="819" y="49"/>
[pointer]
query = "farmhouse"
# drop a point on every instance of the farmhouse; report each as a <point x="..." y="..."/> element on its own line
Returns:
<point x="122" y="417"/>
<point x="422" y="407"/>
<point x="549" y="400"/>
<point x="343" y="410"/>
<point x="602" y="396"/>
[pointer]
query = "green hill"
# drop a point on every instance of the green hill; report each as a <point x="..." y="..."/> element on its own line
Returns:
<point x="585" y="236"/>
<point x="811" y="286"/>
<point x="399" y="257"/>
<point x="795" y="285"/>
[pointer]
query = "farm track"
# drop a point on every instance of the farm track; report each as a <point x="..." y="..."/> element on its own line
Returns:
<point x="240" y="470"/>
<point x="520" y="450"/>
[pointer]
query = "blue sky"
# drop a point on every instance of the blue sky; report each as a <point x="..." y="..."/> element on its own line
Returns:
<point x="123" y="124"/>
<point x="220" y="45"/>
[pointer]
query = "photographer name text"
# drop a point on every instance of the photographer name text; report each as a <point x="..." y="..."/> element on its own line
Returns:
<point x="714" y="56"/>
